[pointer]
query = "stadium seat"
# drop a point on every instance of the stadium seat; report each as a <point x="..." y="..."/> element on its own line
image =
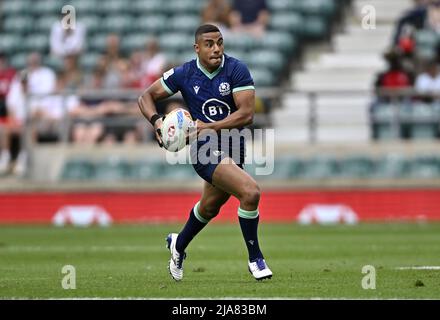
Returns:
<point x="85" y="7"/>
<point x="426" y="44"/>
<point x="150" y="24"/>
<point x="425" y="121"/>
<point x="53" y="62"/>
<point x="185" y="23"/>
<point x="320" y="167"/>
<point x="91" y="22"/>
<point x="426" y="39"/>
<point x="360" y="166"/>
<point x="279" y="41"/>
<point x="146" y="170"/>
<point x="392" y="165"/>
<point x="132" y="42"/>
<point x="77" y="169"/>
<point x="112" y="169"/>
<point x="184" y="6"/>
<point x="89" y="60"/>
<point x="290" y="22"/>
<point x="238" y="54"/>
<point x="239" y="42"/>
<point x="46" y="7"/>
<point x="36" y="42"/>
<point x="117" y="23"/>
<point x="318" y="7"/>
<point x="97" y="42"/>
<point x="425" y="166"/>
<point x="262" y="77"/>
<point x="112" y="7"/>
<point x="19" y="24"/>
<point x="14" y="7"/>
<point x="18" y="61"/>
<point x="269" y="59"/>
<point x="10" y="43"/>
<point x="383" y="115"/>
<point x="179" y="172"/>
<point x="185" y="56"/>
<point x="276" y="6"/>
<point x="315" y="28"/>
<point x="45" y="23"/>
<point x="175" y="41"/>
<point x="148" y="8"/>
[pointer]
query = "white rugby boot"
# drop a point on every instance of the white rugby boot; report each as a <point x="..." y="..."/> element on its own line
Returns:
<point x="259" y="269"/>
<point x="175" y="266"/>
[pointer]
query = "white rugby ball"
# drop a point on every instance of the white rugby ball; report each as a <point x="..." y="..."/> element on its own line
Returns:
<point x="175" y="128"/>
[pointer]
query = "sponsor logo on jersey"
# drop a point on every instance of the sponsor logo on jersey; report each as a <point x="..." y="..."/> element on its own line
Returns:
<point x="224" y="88"/>
<point x="196" y="89"/>
<point x="215" y="110"/>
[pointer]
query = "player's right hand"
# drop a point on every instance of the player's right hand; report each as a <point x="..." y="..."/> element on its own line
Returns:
<point x="158" y="132"/>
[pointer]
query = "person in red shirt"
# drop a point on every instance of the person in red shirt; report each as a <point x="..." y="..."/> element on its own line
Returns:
<point x="395" y="76"/>
<point x="7" y="74"/>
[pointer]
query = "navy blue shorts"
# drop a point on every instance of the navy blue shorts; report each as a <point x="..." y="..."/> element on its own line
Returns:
<point x="207" y="153"/>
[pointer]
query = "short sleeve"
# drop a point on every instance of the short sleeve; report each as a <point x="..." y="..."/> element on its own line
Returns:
<point x="172" y="79"/>
<point x="242" y="79"/>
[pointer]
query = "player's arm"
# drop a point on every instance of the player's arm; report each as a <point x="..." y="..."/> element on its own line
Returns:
<point x="146" y="103"/>
<point x="245" y="102"/>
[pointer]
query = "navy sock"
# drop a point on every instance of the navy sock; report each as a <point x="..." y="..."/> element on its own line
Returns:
<point x="249" y="229"/>
<point x="192" y="227"/>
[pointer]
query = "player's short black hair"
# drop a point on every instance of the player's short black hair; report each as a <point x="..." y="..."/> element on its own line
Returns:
<point x="205" y="28"/>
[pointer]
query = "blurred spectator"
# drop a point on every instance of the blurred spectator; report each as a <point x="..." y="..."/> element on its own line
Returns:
<point x="416" y="18"/>
<point x="395" y="76"/>
<point x="249" y="16"/>
<point x="67" y="41"/>
<point x="96" y="79"/>
<point x="429" y="81"/>
<point x="153" y="64"/>
<point x="114" y="63"/>
<point x="49" y="112"/>
<point x="7" y="74"/>
<point x="42" y="79"/>
<point x="217" y="12"/>
<point x="134" y="74"/>
<point x="34" y="80"/>
<point x="89" y="120"/>
<point x="433" y="16"/>
<point x="72" y="75"/>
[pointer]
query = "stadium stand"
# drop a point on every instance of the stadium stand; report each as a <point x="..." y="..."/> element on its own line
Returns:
<point x="336" y="59"/>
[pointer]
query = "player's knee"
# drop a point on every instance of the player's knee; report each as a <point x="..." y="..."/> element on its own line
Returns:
<point x="208" y="211"/>
<point x="251" y="195"/>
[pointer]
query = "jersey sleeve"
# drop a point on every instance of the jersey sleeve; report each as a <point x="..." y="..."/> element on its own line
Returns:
<point x="242" y="79"/>
<point x="172" y="79"/>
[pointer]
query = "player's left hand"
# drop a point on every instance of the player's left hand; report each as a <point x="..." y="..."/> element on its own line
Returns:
<point x="196" y="130"/>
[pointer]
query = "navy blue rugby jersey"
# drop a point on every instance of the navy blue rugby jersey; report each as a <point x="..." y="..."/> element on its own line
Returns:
<point x="209" y="95"/>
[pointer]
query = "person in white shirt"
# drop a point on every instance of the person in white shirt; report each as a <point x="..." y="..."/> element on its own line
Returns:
<point x="67" y="41"/>
<point x="429" y="81"/>
<point x="35" y="80"/>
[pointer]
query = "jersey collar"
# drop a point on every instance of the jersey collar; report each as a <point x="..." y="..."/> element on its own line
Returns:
<point x="209" y="74"/>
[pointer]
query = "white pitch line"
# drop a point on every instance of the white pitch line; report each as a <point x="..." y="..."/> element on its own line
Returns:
<point x="419" y="268"/>
<point x="80" y="248"/>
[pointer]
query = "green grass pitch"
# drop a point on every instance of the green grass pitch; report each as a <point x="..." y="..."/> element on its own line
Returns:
<point x="127" y="261"/>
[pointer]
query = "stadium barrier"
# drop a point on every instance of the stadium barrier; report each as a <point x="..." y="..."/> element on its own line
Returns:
<point x="317" y="206"/>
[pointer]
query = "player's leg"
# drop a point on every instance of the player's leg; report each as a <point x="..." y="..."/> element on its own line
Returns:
<point x="233" y="180"/>
<point x="204" y="210"/>
<point x="207" y="208"/>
